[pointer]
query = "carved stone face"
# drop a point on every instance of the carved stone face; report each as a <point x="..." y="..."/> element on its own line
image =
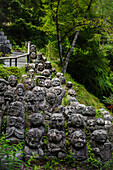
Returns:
<point x="55" y="82"/>
<point x="55" y="136"/>
<point x="48" y="65"/>
<point x="100" y="136"/>
<point x="81" y="109"/>
<point x="71" y="92"/>
<point x="33" y="48"/>
<point x="69" y="110"/>
<point x="8" y="96"/>
<point x="91" y="122"/>
<point x="12" y="81"/>
<point x="100" y="121"/>
<point x="15" y="109"/>
<point x="58" y="90"/>
<point x="33" y="55"/>
<point x="57" y="121"/>
<point x="36" y="119"/>
<point x="29" y="98"/>
<point x="76" y="120"/>
<point x="46" y="73"/>
<point x="51" y="98"/>
<point x="40" y="81"/>
<point x="40" y="67"/>
<point x="40" y="56"/>
<point x="38" y="93"/>
<point x="69" y="84"/>
<point x="29" y="84"/>
<point x="48" y="83"/>
<point x="3" y="86"/>
<point x="90" y="111"/>
<point x="78" y="139"/>
<point x="33" y="137"/>
<point x="31" y="72"/>
<point x="20" y="90"/>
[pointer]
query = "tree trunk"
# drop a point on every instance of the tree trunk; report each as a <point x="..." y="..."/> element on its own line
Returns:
<point x="70" y="52"/>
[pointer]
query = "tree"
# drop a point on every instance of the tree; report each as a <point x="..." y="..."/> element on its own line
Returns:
<point x="65" y="19"/>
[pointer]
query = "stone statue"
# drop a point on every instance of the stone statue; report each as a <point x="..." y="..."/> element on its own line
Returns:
<point x="30" y="102"/>
<point x="75" y="121"/>
<point x="61" y="77"/>
<point x="57" y="121"/>
<point x="3" y="88"/>
<point x="56" y="82"/>
<point x="37" y="121"/>
<point x="8" y="99"/>
<point x="32" y="48"/>
<point x="29" y="84"/>
<point x="60" y="92"/>
<point x="39" y="68"/>
<point x="78" y="145"/>
<point x="33" y="143"/>
<point x="19" y="92"/>
<point x="50" y="105"/>
<point x="15" y="122"/>
<point x="81" y="109"/>
<point x="39" y="96"/>
<point x="46" y="73"/>
<point x="68" y="111"/>
<point x="69" y="85"/>
<point x="33" y="57"/>
<point x="12" y="82"/>
<point x="100" y="123"/>
<point x="91" y="125"/>
<point x="101" y="146"/>
<point x="29" y="66"/>
<point x="31" y="73"/>
<point x="48" y="84"/>
<point x="40" y="81"/>
<point x="47" y="65"/>
<point x="71" y="96"/>
<point x="56" y="144"/>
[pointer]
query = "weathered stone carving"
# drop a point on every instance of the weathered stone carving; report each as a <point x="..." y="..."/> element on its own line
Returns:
<point x="68" y="111"/>
<point x="8" y="99"/>
<point x="30" y="102"/>
<point x="50" y="105"/>
<point x="29" y="84"/>
<point x="31" y="73"/>
<point x="12" y="82"/>
<point x="40" y="81"/>
<point x="46" y="73"/>
<point x="56" y="82"/>
<point x="81" y="109"/>
<point x="78" y="145"/>
<point x="48" y="84"/>
<point x="29" y="66"/>
<point x="75" y="122"/>
<point x="3" y="88"/>
<point x="15" y="122"/>
<point x="56" y="143"/>
<point x="69" y="85"/>
<point x="39" y="96"/>
<point x="37" y="121"/>
<point x="32" y="48"/>
<point x="33" y="57"/>
<point x="100" y="124"/>
<point x="71" y="96"/>
<point x="33" y="146"/>
<point x="61" y="77"/>
<point x="39" y="68"/>
<point x="60" y="92"/>
<point x="57" y="121"/>
<point x="47" y="65"/>
<point x="19" y="92"/>
<point x="101" y="146"/>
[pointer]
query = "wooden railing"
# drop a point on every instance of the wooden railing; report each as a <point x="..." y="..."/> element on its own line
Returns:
<point x="18" y="56"/>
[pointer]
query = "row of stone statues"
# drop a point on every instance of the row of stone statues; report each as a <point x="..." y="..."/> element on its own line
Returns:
<point x="35" y="103"/>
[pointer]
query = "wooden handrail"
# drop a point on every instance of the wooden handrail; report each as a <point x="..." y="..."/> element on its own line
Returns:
<point x="18" y="56"/>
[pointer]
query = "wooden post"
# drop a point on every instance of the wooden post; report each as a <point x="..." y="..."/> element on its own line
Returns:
<point x="10" y="61"/>
<point x="15" y="62"/>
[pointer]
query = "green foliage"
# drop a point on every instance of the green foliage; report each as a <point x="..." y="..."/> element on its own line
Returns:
<point x="5" y="72"/>
<point x="8" y="159"/>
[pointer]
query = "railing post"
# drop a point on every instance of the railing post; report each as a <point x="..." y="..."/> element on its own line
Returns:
<point x="15" y="62"/>
<point x="10" y="62"/>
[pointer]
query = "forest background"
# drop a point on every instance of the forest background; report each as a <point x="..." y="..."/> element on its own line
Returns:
<point x="76" y="33"/>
